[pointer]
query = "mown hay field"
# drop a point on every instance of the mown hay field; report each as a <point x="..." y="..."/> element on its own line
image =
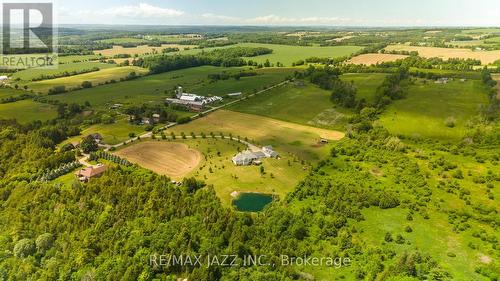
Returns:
<point x="486" y="57"/>
<point x="165" y="158"/>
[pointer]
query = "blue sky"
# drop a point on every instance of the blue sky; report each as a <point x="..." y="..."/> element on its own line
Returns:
<point x="282" y="12"/>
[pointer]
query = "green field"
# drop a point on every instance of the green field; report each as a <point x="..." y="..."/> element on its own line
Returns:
<point x="428" y="106"/>
<point x="291" y="103"/>
<point x="77" y="58"/>
<point x="26" y="111"/>
<point x="155" y="88"/>
<point x="9" y="92"/>
<point x="112" y="134"/>
<point x="97" y="77"/>
<point x="308" y="104"/>
<point x="288" y="54"/>
<point x="29" y="74"/>
<point x="123" y="40"/>
<point x="366" y="84"/>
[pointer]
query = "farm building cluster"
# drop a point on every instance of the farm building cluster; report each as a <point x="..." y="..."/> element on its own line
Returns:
<point x="191" y="101"/>
<point x="248" y="157"/>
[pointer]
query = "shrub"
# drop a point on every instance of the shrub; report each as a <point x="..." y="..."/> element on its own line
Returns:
<point x="450" y="122"/>
<point x="24" y="248"/>
<point x="44" y="242"/>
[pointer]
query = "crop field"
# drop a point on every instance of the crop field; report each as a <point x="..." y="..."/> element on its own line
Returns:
<point x="486" y="57"/>
<point x="29" y="74"/>
<point x="97" y="77"/>
<point x="371" y="59"/>
<point x="155" y="88"/>
<point x="26" y="111"/>
<point x="299" y="140"/>
<point x="428" y="108"/>
<point x="139" y="50"/>
<point x="165" y="158"/>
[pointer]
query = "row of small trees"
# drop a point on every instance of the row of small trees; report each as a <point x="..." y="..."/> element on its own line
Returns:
<point x="62" y="170"/>
<point x="110" y="157"/>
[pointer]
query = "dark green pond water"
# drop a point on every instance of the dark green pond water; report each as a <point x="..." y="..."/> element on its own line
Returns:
<point x="252" y="202"/>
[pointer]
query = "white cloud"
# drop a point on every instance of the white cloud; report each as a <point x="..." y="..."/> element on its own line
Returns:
<point x="140" y="13"/>
<point x="220" y="18"/>
<point x="279" y="20"/>
<point x="142" y="10"/>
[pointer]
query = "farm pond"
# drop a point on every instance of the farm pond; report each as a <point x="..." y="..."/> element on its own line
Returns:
<point x="252" y="202"/>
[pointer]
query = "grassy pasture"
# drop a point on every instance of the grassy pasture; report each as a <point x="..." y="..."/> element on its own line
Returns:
<point x="486" y="57"/>
<point x="299" y="140"/>
<point x="112" y="133"/>
<point x="155" y="88"/>
<point x="427" y="107"/>
<point x="123" y="40"/>
<point x="9" y="92"/>
<point x="29" y="74"/>
<point x="309" y="105"/>
<point x="77" y="58"/>
<point x="26" y="111"/>
<point x="291" y="103"/>
<point x="265" y="77"/>
<point x="371" y="59"/>
<point x="366" y="84"/>
<point x="97" y="77"/>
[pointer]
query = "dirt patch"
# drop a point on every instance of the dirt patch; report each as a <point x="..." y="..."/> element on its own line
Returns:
<point x="165" y="158"/>
<point x="371" y="59"/>
<point x="485" y="259"/>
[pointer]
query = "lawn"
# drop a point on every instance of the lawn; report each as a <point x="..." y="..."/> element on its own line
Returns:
<point x="288" y="138"/>
<point x="155" y="88"/>
<point x="97" y="77"/>
<point x="32" y="73"/>
<point x="26" y="111"/>
<point x="428" y="106"/>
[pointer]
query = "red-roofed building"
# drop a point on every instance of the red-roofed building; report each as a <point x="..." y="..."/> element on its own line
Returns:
<point x="90" y="172"/>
